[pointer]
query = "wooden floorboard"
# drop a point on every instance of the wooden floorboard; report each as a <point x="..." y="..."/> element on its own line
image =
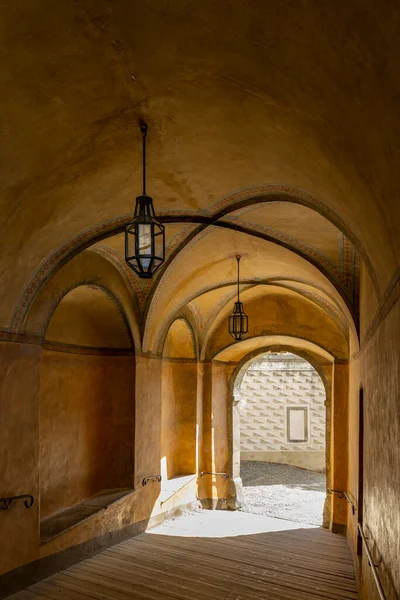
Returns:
<point x="299" y="564"/>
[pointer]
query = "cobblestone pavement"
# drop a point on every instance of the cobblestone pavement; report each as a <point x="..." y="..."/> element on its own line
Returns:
<point x="283" y="491"/>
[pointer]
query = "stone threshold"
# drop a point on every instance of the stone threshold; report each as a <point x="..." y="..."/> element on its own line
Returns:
<point x="73" y="516"/>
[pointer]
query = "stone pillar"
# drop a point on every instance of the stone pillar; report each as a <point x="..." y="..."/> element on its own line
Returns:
<point x="214" y="490"/>
<point x="339" y="445"/>
<point x="147" y="433"/>
<point x="205" y="439"/>
<point x="236" y="486"/>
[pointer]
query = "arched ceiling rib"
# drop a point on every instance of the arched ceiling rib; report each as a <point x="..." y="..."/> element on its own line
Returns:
<point x="238" y="351"/>
<point x="282" y="221"/>
<point x="294" y="226"/>
<point x="209" y="262"/>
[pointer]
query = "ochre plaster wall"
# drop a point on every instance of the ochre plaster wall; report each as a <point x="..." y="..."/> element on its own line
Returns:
<point x="19" y="451"/>
<point x="144" y="502"/>
<point x="178" y="431"/>
<point x="86" y="427"/>
<point x="20" y="371"/>
<point x="353" y="471"/>
<point x="148" y="432"/>
<point x="377" y="370"/>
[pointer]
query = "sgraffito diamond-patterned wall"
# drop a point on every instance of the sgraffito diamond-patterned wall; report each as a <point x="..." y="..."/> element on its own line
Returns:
<point x="269" y="387"/>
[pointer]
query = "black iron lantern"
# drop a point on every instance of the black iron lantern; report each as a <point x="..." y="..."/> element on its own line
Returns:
<point x="144" y="235"/>
<point x="238" y="320"/>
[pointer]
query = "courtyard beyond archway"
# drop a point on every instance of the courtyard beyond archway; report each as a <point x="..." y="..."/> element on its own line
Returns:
<point x="283" y="492"/>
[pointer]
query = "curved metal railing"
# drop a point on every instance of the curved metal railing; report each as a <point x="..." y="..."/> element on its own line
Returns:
<point x="341" y="494"/>
<point x="5" y="502"/>
<point x="224" y="475"/>
<point x="146" y="480"/>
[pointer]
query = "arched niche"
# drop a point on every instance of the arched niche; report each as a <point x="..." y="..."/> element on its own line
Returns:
<point x="179" y="401"/>
<point x="89" y="316"/>
<point x="180" y="340"/>
<point x="87" y="268"/>
<point x="86" y="406"/>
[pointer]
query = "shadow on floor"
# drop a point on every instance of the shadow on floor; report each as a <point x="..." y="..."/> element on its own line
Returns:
<point x="295" y="564"/>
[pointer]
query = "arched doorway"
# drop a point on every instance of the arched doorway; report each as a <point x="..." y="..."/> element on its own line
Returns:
<point x="281" y="423"/>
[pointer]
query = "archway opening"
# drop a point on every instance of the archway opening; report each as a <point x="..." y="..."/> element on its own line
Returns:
<point x="86" y="410"/>
<point x="282" y="438"/>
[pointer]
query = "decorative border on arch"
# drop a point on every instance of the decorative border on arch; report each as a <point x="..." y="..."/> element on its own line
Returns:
<point x="56" y="260"/>
<point x="66" y="252"/>
<point x="166" y="276"/>
<point x="342" y="279"/>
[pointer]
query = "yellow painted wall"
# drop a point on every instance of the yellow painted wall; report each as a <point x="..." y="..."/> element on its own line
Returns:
<point x="19" y="450"/>
<point x="178" y="426"/>
<point x="87" y="427"/>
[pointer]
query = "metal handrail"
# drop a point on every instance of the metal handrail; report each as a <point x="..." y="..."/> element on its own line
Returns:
<point x="7" y="501"/>
<point x="146" y="480"/>
<point x="372" y="564"/>
<point x="341" y="494"/>
<point x="224" y="475"/>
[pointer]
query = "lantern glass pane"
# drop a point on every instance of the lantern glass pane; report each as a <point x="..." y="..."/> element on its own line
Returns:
<point x="159" y="241"/>
<point x="144" y="240"/>
<point x="144" y="245"/>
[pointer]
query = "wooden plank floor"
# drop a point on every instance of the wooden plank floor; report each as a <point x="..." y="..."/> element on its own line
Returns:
<point x="294" y="564"/>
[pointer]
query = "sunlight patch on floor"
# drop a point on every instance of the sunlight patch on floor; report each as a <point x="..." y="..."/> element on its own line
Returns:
<point x="283" y="492"/>
<point x="221" y="523"/>
<point x="290" y="502"/>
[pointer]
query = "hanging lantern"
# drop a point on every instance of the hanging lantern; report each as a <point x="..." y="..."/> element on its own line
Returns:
<point x="238" y="320"/>
<point x="144" y="235"/>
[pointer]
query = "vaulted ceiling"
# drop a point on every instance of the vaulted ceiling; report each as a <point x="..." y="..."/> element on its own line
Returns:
<point x="273" y="133"/>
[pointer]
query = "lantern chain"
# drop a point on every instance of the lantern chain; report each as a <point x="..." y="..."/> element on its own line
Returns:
<point x="238" y="257"/>
<point x="143" y="129"/>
